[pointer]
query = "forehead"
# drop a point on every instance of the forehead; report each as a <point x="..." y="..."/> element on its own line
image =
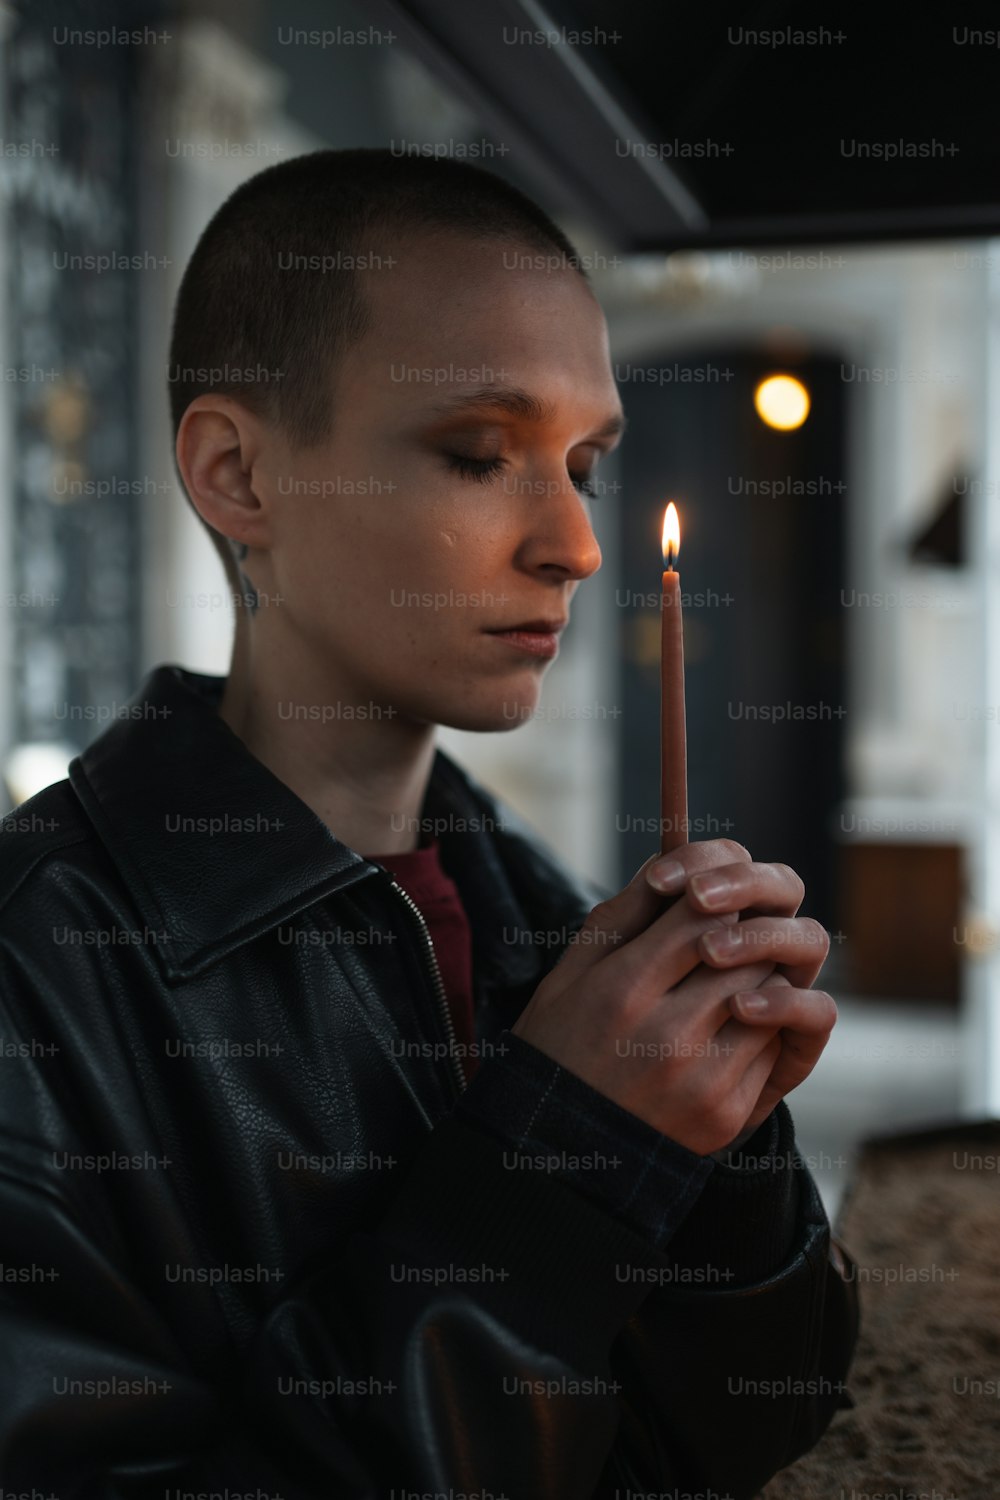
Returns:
<point x="479" y="312"/>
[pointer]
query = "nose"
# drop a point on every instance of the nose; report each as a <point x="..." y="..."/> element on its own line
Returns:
<point x="558" y="535"/>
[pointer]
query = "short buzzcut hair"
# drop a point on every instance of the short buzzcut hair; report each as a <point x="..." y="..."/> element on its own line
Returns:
<point x="273" y="296"/>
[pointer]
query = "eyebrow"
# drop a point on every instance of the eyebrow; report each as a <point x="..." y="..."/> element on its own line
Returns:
<point x="518" y="403"/>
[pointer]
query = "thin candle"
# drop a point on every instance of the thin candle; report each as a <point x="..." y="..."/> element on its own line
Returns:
<point x="673" y="721"/>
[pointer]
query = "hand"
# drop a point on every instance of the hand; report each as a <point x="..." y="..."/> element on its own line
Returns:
<point x="802" y="1019"/>
<point x="633" y="1008"/>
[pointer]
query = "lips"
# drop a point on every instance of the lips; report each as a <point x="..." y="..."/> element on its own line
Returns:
<point x="532" y="627"/>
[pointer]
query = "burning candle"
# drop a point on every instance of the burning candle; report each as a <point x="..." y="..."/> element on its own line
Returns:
<point x="673" y="723"/>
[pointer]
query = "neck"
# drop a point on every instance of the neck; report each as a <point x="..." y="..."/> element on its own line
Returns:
<point x="362" y="770"/>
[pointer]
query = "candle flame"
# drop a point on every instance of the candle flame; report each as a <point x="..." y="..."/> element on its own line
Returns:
<point x="671" y="535"/>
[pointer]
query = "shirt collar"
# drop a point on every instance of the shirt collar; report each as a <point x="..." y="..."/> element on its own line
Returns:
<point x="215" y="849"/>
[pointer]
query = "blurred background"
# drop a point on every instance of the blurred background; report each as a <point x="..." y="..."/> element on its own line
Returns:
<point x="756" y="202"/>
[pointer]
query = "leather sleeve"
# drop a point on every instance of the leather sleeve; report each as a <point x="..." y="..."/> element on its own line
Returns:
<point x="493" y="1331"/>
<point x="388" y="1369"/>
<point x="463" y="1343"/>
<point x="726" y="1384"/>
<point x="771" y="1325"/>
<point x="552" y="1121"/>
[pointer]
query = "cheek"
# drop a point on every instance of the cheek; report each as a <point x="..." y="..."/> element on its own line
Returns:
<point x="453" y="543"/>
<point x="361" y="554"/>
<point x="472" y="532"/>
<point x="332" y="538"/>
<point x="327" y="568"/>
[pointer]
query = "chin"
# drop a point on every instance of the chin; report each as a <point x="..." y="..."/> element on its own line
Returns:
<point x="493" y="716"/>
<point x="485" y="722"/>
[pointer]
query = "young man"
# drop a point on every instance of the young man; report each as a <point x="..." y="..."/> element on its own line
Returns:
<point x="321" y="1176"/>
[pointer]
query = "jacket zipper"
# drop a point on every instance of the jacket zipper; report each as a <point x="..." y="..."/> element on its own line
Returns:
<point x="442" y="999"/>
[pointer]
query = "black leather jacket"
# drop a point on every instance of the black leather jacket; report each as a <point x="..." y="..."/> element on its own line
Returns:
<point x="258" y="1238"/>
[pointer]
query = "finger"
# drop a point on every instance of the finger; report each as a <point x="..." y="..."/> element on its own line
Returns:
<point x="757" y="1064"/>
<point x="612" y="923"/>
<point x="744" y="1043"/>
<point x="754" y="889"/>
<point x="806" y="1019"/>
<point x="656" y="956"/>
<point x="659" y="940"/>
<point x="700" y="1004"/>
<point x="800" y="946"/>
<point x="670" y="874"/>
<point x="660" y="958"/>
<point x="749" y="1070"/>
<point x="808" y="1012"/>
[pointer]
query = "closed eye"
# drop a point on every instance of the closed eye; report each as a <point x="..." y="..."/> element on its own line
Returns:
<point x="482" y="470"/>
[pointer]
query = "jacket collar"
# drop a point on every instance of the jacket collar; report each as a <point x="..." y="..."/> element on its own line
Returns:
<point x="215" y="849"/>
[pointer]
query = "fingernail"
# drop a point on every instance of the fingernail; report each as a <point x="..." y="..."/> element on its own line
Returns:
<point x="755" y="1004"/>
<point x="668" y="875"/>
<point x="711" y="890"/>
<point x="721" y="941"/>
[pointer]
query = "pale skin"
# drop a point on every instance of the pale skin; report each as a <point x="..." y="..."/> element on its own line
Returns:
<point x="330" y="549"/>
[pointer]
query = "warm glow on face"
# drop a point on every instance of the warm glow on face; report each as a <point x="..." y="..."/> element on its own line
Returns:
<point x="671" y="541"/>
<point x="782" y="402"/>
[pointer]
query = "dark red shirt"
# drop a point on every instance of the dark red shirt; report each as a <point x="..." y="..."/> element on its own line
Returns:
<point x="422" y="876"/>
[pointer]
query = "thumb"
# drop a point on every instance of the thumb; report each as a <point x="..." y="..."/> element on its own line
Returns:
<point x="616" y="920"/>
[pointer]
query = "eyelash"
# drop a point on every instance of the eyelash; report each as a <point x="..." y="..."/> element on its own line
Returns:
<point x="482" y="470"/>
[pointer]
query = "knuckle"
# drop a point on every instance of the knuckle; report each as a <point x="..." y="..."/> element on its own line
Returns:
<point x="792" y="878"/>
<point x="703" y="922"/>
<point x="601" y="915"/>
<point x="828" y="1005"/>
<point x="711" y="854"/>
<point x="747" y="976"/>
<point x="811" y="932"/>
<point x="814" y="933"/>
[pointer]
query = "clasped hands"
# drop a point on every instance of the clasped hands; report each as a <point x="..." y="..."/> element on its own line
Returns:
<point x="698" y="1015"/>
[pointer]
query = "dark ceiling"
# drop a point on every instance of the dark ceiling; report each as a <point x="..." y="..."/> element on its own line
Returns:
<point x="673" y="127"/>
